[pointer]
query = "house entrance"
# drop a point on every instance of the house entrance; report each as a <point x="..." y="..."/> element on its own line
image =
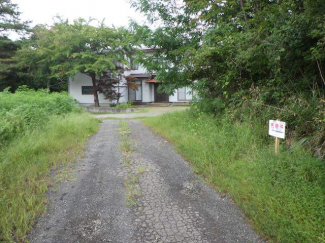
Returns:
<point x="160" y="97"/>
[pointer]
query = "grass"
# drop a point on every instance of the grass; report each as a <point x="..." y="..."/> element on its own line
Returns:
<point x="25" y="166"/>
<point x="133" y="190"/>
<point x="131" y="182"/>
<point x="125" y="141"/>
<point x="283" y="196"/>
<point x="27" y="109"/>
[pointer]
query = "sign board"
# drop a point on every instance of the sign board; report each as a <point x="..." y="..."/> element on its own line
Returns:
<point x="277" y="128"/>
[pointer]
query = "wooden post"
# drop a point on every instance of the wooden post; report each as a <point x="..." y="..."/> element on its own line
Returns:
<point x="277" y="143"/>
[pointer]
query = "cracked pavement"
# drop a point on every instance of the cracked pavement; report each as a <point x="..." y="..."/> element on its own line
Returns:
<point x="174" y="205"/>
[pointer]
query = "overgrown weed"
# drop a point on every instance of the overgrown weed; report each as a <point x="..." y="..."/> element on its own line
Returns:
<point x="25" y="166"/>
<point x="283" y="195"/>
<point x="131" y="182"/>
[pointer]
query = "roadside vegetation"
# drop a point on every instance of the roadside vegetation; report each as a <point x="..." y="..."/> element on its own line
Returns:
<point x="39" y="131"/>
<point x="264" y="56"/>
<point x="282" y="195"/>
<point x="125" y="105"/>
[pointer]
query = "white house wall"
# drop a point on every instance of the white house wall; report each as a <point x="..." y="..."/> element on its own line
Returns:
<point x="174" y="98"/>
<point x="147" y="92"/>
<point x="140" y="70"/>
<point x="80" y="80"/>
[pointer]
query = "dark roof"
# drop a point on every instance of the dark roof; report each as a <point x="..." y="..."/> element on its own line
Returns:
<point x="140" y="75"/>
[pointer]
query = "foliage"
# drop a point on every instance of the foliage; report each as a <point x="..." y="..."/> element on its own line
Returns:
<point x="305" y="118"/>
<point x="125" y="105"/>
<point x="26" y="164"/>
<point x="25" y="110"/>
<point x="9" y="22"/>
<point x="9" y="18"/>
<point x="63" y="50"/>
<point x="38" y="131"/>
<point x="225" y="49"/>
<point x="283" y="195"/>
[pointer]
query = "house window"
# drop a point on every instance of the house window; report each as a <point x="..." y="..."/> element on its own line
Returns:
<point x="87" y="90"/>
<point x="136" y="95"/>
<point x="134" y="66"/>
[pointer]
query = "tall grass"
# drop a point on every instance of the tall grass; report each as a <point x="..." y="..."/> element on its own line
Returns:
<point x="27" y="109"/>
<point x="25" y="167"/>
<point x="38" y="132"/>
<point x="282" y="195"/>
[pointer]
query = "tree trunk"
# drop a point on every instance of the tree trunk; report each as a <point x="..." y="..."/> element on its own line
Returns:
<point x="242" y="6"/>
<point x="96" y="100"/>
<point x="118" y="95"/>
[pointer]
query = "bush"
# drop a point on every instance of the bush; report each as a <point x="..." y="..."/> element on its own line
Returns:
<point x="27" y="109"/>
<point x="304" y="117"/>
<point x="38" y="131"/>
<point x="125" y="105"/>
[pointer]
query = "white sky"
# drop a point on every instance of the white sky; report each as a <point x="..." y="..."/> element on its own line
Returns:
<point x="115" y="12"/>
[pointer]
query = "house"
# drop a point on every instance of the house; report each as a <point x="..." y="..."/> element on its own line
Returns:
<point x="80" y="87"/>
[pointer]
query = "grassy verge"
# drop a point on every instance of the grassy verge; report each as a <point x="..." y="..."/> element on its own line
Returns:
<point x="283" y="196"/>
<point x="25" y="165"/>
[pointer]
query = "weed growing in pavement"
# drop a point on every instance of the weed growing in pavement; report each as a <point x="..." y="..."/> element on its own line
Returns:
<point x="142" y="170"/>
<point x="132" y="188"/>
<point x="125" y="141"/>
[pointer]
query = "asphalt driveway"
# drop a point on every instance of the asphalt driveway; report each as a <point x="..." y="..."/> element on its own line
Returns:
<point x="172" y="205"/>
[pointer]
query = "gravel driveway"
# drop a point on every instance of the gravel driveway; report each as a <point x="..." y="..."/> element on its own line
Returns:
<point x="173" y="205"/>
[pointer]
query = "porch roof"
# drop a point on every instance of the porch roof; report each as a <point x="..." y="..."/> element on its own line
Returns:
<point x="141" y="75"/>
<point x="152" y="81"/>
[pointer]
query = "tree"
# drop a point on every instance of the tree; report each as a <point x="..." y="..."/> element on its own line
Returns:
<point x="9" y="22"/>
<point x="235" y="54"/>
<point x="225" y="48"/>
<point x="62" y="51"/>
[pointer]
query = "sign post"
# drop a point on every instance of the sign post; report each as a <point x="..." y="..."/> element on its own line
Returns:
<point x="277" y="144"/>
<point x="277" y="130"/>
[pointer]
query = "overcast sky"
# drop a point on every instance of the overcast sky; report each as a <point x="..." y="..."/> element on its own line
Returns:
<point x="115" y="12"/>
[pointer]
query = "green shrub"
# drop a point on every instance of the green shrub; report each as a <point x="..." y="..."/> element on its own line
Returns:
<point x="126" y="105"/>
<point x="40" y="130"/>
<point x="304" y="115"/>
<point x="305" y="119"/>
<point x="27" y="109"/>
